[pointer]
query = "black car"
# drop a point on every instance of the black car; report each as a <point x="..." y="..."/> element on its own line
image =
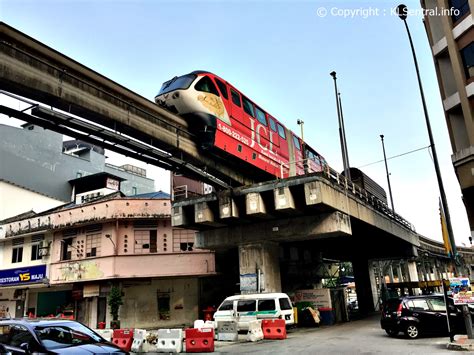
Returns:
<point x="52" y="336"/>
<point x="416" y="315"/>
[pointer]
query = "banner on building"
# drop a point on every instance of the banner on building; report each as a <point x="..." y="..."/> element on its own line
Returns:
<point x="319" y="298"/>
<point x="24" y="275"/>
<point x="461" y="290"/>
<point x="248" y="282"/>
<point x="444" y="230"/>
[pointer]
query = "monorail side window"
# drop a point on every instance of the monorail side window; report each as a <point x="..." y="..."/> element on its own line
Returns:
<point x="281" y="131"/>
<point x="222" y="88"/>
<point x="248" y="106"/>
<point x="272" y="124"/>
<point x="297" y="142"/>
<point x="235" y="97"/>
<point x="206" y="85"/>
<point x="261" y="116"/>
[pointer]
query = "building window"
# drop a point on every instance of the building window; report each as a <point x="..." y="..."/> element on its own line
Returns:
<point x="467" y="55"/>
<point x="36" y="243"/>
<point x="462" y="6"/>
<point x="183" y="240"/>
<point x="17" y="254"/>
<point x="146" y="241"/>
<point x="93" y="245"/>
<point x="17" y="250"/>
<point x="35" y="252"/>
<point x="66" y="245"/>
<point x="134" y="190"/>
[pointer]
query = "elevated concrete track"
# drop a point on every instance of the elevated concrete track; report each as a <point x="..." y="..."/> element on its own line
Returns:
<point x="32" y="70"/>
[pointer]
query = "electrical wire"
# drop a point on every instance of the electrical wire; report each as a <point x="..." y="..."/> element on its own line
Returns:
<point x="395" y="156"/>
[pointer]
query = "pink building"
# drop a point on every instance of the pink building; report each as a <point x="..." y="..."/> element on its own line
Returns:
<point x="79" y="250"/>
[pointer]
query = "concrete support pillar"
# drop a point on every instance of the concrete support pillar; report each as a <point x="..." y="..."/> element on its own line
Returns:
<point x="412" y="271"/>
<point x="400" y="273"/>
<point x="366" y="288"/>
<point x="259" y="267"/>
<point x="390" y="273"/>
<point x="26" y="302"/>
<point x="93" y="312"/>
<point x="413" y="276"/>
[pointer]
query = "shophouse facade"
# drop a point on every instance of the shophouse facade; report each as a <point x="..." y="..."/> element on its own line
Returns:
<point x="86" y="248"/>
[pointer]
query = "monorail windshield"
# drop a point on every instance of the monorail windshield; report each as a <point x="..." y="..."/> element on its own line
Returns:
<point x="177" y="83"/>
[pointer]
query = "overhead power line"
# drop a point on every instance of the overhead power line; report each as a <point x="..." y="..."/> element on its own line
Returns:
<point x="395" y="156"/>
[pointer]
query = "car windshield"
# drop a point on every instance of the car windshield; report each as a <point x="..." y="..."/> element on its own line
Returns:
<point x="65" y="335"/>
<point x="177" y="83"/>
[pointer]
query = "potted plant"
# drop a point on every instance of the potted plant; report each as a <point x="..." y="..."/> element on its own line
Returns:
<point x="115" y="301"/>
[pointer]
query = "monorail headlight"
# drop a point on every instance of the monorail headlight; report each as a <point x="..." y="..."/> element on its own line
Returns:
<point x="175" y="95"/>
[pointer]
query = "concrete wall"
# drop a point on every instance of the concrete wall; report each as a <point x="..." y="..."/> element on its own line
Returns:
<point x="32" y="159"/>
<point x="140" y="307"/>
<point x="14" y="198"/>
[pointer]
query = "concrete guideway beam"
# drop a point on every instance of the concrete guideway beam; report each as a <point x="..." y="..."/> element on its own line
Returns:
<point x="325" y="225"/>
<point x="30" y="69"/>
<point x="321" y="192"/>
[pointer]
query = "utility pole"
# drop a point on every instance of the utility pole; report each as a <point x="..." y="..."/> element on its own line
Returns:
<point x="388" y="174"/>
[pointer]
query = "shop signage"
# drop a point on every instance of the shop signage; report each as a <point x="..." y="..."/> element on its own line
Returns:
<point x="319" y="298"/>
<point x="461" y="290"/>
<point x="91" y="290"/>
<point x="25" y="275"/>
<point x="112" y="184"/>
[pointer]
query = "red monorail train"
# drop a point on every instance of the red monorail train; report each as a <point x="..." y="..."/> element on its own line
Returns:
<point x="225" y="120"/>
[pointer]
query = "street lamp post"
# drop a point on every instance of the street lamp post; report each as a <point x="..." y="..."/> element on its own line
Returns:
<point x="303" y="148"/>
<point x="345" y="160"/>
<point x="402" y="13"/>
<point x="388" y="174"/>
<point x="301" y="124"/>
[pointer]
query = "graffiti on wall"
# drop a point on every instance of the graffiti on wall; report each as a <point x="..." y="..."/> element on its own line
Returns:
<point x="80" y="270"/>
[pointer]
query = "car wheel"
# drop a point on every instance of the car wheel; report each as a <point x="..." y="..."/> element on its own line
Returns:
<point x="391" y="332"/>
<point x="412" y="331"/>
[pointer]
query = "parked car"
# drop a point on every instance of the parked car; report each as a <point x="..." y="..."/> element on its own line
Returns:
<point x="425" y="314"/>
<point x="245" y="308"/>
<point x="52" y="336"/>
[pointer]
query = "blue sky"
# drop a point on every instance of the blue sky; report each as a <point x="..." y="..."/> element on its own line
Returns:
<point x="280" y="54"/>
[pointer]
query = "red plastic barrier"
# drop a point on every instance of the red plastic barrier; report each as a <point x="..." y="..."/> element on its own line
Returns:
<point x="123" y="338"/>
<point x="199" y="340"/>
<point x="274" y="329"/>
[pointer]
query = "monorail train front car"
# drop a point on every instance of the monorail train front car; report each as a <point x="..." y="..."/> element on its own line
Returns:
<point x="194" y="97"/>
<point x="224" y="119"/>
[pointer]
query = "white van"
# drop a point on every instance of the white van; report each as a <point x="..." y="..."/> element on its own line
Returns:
<point x="245" y="308"/>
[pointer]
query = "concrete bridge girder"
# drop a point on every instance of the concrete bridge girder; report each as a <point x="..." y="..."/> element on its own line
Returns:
<point x="303" y="200"/>
<point x="334" y="224"/>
